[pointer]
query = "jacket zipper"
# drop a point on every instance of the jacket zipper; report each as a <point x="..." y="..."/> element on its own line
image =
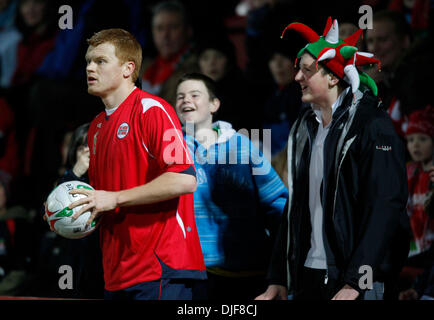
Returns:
<point x="326" y="277"/>
<point x="346" y="147"/>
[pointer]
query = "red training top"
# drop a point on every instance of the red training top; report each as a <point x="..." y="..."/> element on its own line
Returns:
<point x="141" y="140"/>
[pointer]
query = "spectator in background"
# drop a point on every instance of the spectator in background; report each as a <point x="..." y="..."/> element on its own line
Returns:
<point x="419" y="134"/>
<point x="37" y="25"/>
<point x="9" y="39"/>
<point x="265" y="22"/>
<point x="388" y="40"/>
<point x="16" y="231"/>
<point x="83" y="255"/>
<point x="423" y="286"/>
<point x="429" y="202"/>
<point x="411" y="88"/>
<point x="172" y="35"/>
<point x="217" y="60"/>
<point x="9" y="161"/>
<point x="284" y="103"/>
<point x="39" y="30"/>
<point x="416" y="13"/>
<point x="239" y="197"/>
<point x="77" y="156"/>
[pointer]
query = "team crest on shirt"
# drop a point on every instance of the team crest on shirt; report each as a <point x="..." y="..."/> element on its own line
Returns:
<point x="123" y="130"/>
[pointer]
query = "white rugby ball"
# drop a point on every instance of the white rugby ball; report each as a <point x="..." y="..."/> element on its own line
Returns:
<point x="58" y="214"/>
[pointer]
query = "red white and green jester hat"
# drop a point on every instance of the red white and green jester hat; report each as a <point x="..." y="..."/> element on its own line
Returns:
<point x="340" y="56"/>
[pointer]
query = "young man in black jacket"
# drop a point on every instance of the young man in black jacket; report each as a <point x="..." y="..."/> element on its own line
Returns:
<point x="346" y="229"/>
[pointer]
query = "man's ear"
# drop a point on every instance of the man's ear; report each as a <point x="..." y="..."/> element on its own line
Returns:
<point x="333" y="80"/>
<point x="129" y="69"/>
<point x="215" y="105"/>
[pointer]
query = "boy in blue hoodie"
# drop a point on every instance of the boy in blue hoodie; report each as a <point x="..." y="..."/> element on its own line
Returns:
<point x="239" y="196"/>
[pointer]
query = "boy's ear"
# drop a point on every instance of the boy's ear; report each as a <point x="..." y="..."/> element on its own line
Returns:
<point x="215" y="105"/>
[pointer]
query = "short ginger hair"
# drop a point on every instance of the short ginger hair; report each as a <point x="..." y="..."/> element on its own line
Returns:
<point x="127" y="48"/>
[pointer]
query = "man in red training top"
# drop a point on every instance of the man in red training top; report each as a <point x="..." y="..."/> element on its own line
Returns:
<point x="143" y="177"/>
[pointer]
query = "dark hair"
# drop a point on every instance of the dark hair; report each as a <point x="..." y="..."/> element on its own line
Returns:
<point x="219" y="43"/>
<point x="49" y="19"/>
<point x="325" y="70"/>
<point x="174" y="7"/>
<point x="78" y="139"/>
<point x="287" y="49"/>
<point x="207" y="81"/>
<point x="343" y="84"/>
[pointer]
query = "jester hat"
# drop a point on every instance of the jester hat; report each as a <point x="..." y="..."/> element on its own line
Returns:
<point x="340" y="56"/>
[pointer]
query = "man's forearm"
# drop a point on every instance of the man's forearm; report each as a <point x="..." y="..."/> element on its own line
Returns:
<point x="165" y="187"/>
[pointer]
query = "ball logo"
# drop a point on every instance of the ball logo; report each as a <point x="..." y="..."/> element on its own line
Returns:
<point x="123" y="130"/>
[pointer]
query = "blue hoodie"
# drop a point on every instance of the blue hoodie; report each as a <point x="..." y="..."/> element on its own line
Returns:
<point x="238" y="201"/>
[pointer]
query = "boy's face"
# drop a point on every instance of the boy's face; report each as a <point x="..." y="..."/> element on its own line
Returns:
<point x="282" y="69"/>
<point x="314" y="83"/>
<point x="104" y="70"/>
<point x="193" y="103"/>
<point x="420" y="147"/>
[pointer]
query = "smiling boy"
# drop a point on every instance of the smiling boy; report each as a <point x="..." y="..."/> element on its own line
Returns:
<point x="239" y="197"/>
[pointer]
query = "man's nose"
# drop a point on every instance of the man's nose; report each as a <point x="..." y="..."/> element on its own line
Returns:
<point x="90" y="66"/>
<point x="298" y="76"/>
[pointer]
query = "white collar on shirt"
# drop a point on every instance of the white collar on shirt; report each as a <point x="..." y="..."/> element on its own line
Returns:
<point x="109" y="112"/>
<point x="335" y="105"/>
